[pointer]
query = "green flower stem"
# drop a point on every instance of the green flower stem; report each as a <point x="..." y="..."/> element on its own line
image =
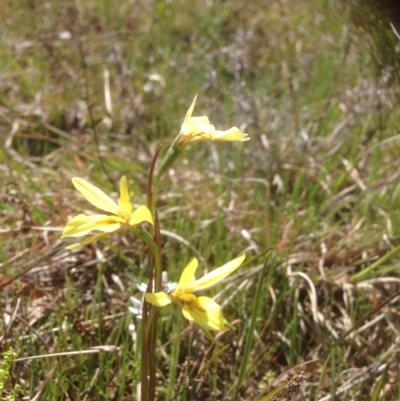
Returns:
<point x="149" y="319"/>
<point x="170" y="156"/>
<point x="144" y="363"/>
<point x="154" y="195"/>
<point x="149" y="327"/>
<point x="151" y="314"/>
<point x="145" y="236"/>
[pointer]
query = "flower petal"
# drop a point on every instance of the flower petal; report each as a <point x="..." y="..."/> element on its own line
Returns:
<point x="187" y="279"/>
<point x="232" y="134"/>
<point x="198" y="133"/>
<point x="95" y="196"/>
<point x="87" y="241"/>
<point x="82" y="224"/>
<point x="159" y="299"/>
<point x="124" y="201"/>
<point x="201" y="120"/>
<point x="207" y="313"/>
<point x="190" y="111"/>
<point x="140" y="215"/>
<point x="218" y="274"/>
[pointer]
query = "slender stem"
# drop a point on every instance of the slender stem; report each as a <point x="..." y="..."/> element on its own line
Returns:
<point x="153" y="239"/>
<point x="152" y="194"/>
<point x="148" y="368"/>
<point x="149" y="328"/>
<point x="157" y="255"/>
<point x="153" y="319"/>
<point x="152" y="352"/>
<point x="170" y="156"/>
<point x="149" y="320"/>
<point x="145" y="375"/>
<point x="144" y="356"/>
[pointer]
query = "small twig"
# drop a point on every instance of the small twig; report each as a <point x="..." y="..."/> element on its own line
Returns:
<point x="38" y="335"/>
<point x="95" y="376"/>
<point x="107" y="91"/>
<point x="395" y="31"/>
<point x="92" y="350"/>
<point x="13" y="316"/>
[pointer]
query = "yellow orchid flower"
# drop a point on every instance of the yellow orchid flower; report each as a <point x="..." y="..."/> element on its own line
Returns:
<point x="199" y="129"/>
<point x="196" y="129"/>
<point x="203" y="311"/>
<point x="123" y="216"/>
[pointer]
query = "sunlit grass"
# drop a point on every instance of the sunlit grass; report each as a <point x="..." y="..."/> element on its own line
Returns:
<point x="318" y="181"/>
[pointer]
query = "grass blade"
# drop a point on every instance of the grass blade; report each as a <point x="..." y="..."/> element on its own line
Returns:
<point x="249" y="338"/>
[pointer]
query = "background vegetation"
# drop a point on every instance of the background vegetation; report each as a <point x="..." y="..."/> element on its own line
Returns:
<point x="91" y="88"/>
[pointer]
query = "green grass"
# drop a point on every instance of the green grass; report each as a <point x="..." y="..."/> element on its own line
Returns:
<point x="318" y="182"/>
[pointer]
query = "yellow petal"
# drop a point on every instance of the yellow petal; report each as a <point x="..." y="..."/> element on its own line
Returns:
<point x="74" y="224"/>
<point x="124" y="201"/>
<point x="199" y="133"/>
<point x="190" y="111"/>
<point x="207" y="313"/>
<point x="203" y="120"/>
<point x="159" y="299"/>
<point x="232" y="134"/>
<point x="187" y="278"/>
<point x="140" y="215"/>
<point x="95" y="196"/>
<point x="86" y="241"/>
<point x="218" y="274"/>
<point x="81" y="225"/>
